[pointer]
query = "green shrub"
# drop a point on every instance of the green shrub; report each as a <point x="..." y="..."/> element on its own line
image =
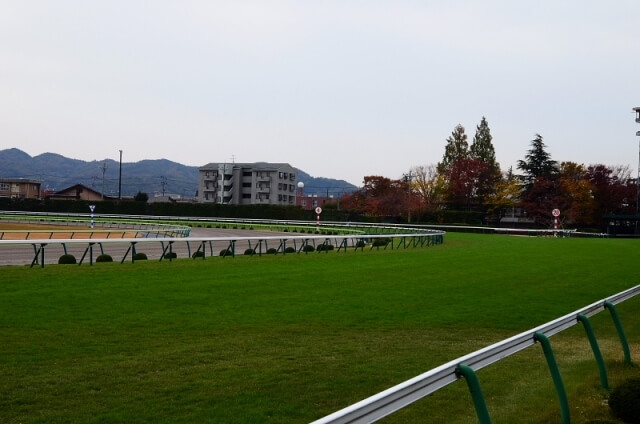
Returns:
<point x="104" y="258"/>
<point x="381" y="241"/>
<point x="140" y="256"/>
<point x="249" y="252"/>
<point x="67" y="259"/>
<point x="625" y="401"/>
<point x="290" y="250"/>
<point x="198" y="254"/>
<point x="323" y="247"/>
<point x="271" y="251"/>
<point x="308" y="248"/>
<point x="170" y="255"/>
<point x="226" y="252"/>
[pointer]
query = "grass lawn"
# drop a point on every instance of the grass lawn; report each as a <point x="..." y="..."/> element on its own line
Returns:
<point x="289" y="339"/>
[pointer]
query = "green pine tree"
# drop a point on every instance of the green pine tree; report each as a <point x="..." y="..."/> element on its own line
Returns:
<point x="457" y="148"/>
<point x="537" y="162"/>
<point x="482" y="147"/>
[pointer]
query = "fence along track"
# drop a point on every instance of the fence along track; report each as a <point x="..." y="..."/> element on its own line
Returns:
<point x="391" y="400"/>
<point x="231" y="245"/>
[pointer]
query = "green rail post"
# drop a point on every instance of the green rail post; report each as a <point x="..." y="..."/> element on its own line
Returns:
<point x="476" y="392"/>
<point x="604" y="382"/>
<point x="555" y="375"/>
<point x="621" y="334"/>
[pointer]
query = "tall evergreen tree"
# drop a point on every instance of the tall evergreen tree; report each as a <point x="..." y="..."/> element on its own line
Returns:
<point x="457" y="148"/>
<point x="537" y="162"/>
<point x="482" y="146"/>
<point x="482" y="150"/>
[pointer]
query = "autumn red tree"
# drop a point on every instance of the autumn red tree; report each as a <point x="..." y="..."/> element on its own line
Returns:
<point x="379" y="196"/>
<point x="464" y="182"/>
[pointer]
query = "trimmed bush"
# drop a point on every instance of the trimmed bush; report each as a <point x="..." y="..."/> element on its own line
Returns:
<point x="140" y="256"/>
<point x="271" y="251"/>
<point x="198" y="254"/>
<point x="308" y="248"/>
<point x="67" y="259"/>
<point x="249" y="252"/>
<point x="324" y="247"/>
<point x="625" y="401"/>
<point x="226" y="252"/>
<point x="381" y="241"/>
<point x="290" y="250"/>
<point x="104" y="258"/>
<point x="170" y="255"/>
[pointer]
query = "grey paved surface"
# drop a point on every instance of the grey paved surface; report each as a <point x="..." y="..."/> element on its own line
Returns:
<point x="24" y="254"/>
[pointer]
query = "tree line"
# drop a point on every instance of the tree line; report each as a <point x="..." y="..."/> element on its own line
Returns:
<point x="469" y="179"/>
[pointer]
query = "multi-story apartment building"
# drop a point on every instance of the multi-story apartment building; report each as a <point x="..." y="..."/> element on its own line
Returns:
<point x="21" y="188"/>
<point x="248" y="183"/>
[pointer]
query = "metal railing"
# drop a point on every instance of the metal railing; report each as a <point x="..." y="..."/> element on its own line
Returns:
<point x="123" y="223"/>
<point x="397" y="397"/>
<point x="281" y="244"/>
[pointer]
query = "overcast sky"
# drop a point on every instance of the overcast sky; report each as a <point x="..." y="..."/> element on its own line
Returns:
<point x="339" y="89"/>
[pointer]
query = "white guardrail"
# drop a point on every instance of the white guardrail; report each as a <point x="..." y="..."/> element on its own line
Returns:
<point x="170" y="236"/>
<point x="397" y="397"/>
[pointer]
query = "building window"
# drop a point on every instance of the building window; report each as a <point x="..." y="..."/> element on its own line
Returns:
<point x="246" y="195"/>
<point x="4" y="186"/>
<point x="304" y="202"/>
<point x="246" y="174"/>
<point x="314" y="203"/>
<point x="246" y="185"/>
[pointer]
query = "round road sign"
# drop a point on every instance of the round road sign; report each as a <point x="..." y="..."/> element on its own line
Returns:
<point x="555" y="212"/>
<point x="318" y="210"/>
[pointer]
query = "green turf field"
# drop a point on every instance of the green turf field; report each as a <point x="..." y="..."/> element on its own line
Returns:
<point x="289" y="339"/>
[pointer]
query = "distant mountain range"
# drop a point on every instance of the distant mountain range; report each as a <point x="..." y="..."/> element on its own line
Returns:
<point x="153" y="177"/>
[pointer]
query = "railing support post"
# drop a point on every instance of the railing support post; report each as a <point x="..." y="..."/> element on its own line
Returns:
<point x="476" y="392"/>
<point x="621" y="335"/>
<point x="555" y="375"/>
<point x="604" y="382"/>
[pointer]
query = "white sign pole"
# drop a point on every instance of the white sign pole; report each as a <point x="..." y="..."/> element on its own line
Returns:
<point x="556" y="214"/>
<point x="92" y="208"/>
<point x="318" y="212"/>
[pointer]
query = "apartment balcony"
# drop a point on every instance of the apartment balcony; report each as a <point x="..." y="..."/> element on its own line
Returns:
<point x="263" y="178"/>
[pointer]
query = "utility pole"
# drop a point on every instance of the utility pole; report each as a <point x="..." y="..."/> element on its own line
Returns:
<point x="163" y="183"/>
<point x="637" y="111"/>
<point x="409" y="178"/>
<point x="120" y="179"/>
<point x="104" y="169"/>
